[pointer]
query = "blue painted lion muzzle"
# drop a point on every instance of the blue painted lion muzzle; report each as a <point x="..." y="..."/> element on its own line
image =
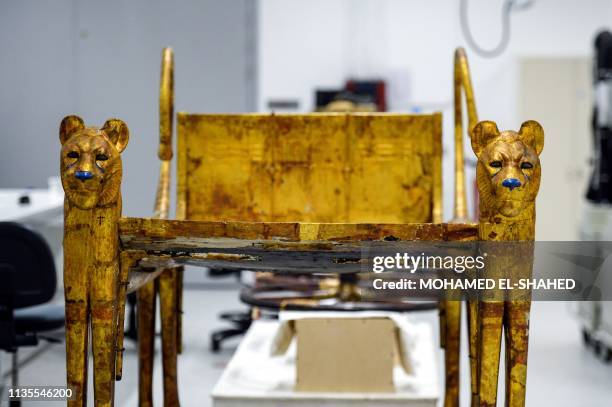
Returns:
<point x="83" y="175"/>
<point x="511" y="183"/>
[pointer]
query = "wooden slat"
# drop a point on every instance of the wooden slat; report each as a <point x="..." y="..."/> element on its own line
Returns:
<point x="274" y="246"/>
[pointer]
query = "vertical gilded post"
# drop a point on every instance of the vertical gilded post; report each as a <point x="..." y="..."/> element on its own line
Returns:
<point x="450" y="311"/>
<point x="168" y="283"/>
<point x="508" y="178"/>
<point x="128" y="259"/>
<point x="166" y="124"/>
<point x="146" y="342"/>
<point x="166" y="105"/>
<point x="91" y="169"/>
<point x="450" y="325"/>
<point x="179" y="309"/>
<point x="462" y="84"/>
<point x="168" y="291"/>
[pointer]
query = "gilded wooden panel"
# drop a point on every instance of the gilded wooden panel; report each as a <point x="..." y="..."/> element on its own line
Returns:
<point x="310" y="168"/>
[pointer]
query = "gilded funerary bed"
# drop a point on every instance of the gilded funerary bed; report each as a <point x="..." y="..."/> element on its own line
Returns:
<point x="278" y="193"/>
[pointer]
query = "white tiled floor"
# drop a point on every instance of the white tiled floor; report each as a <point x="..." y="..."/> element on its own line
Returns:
<point x="199" y="369"/>
<point x="561" y="372"/>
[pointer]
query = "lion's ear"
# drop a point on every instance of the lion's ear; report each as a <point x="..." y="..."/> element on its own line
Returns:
<point x="532" y="134"/>
<point x="117" y="132"/>
<point x="482" y="134"/>
<point x="69" y="125"/>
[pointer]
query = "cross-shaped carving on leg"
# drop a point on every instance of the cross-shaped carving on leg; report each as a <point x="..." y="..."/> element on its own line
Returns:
<point x="91" y="169"/>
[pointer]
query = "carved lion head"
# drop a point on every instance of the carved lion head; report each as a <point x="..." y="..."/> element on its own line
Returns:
<point x="508" y="172"/>
<point x="90" y="161"/>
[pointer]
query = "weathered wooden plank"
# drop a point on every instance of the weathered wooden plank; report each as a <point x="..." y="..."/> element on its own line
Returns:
<point x="150" y="230"/>
<point x="290" y="246"/>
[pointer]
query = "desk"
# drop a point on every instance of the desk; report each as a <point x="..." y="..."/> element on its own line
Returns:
<point x="255" y="379"/>
<point x="45" y="204"/>
<point x="44" y="213"/>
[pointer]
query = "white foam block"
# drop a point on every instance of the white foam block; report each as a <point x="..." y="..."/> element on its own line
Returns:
<point x="254" y="378"/>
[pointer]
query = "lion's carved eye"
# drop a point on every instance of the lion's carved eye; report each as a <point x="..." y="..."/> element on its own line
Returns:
<point x="526" y="166"/>
<point x="101" y="157"/>
<point x="73" y="154"/>
<point x="495" y="164"/>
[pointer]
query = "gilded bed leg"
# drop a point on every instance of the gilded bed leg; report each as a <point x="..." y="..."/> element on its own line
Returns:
<point x="146" y="342"/>
<point x="179" y="309"/>
<point x="442" y="322"/>
<point x="90" y="168"/>
<point x="451" y="352"/>
<point x="517" y="340"/>
<point x="472" y="320"/>
<point x="491" y="319"/>
<point x="168" y="302"/>
<point x="123" y="281"/>
<point x="103" y="344"/>
<point x="77" y="333"/>
<point x="128" y="259"/>
<point x="104" y="290"/>
<point x="77" y="263"/>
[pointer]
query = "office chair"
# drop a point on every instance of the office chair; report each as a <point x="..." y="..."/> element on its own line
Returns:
<point x="27" y="282"/>
<point x="240" y="321"/>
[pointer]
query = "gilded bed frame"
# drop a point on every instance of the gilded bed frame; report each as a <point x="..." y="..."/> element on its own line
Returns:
<point x="270" y="192"/>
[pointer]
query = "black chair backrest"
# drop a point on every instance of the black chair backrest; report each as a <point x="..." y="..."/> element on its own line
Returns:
<point x="31" y="264"/>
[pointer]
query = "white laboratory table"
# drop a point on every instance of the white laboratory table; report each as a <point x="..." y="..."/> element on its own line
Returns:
<point x="253" y="378"/>
<point x="45" y="205"/>
<point x="44" y="213"/>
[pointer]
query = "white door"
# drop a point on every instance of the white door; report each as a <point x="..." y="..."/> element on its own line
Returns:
<point x="557" y="93"/>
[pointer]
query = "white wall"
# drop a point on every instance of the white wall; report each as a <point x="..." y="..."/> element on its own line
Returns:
<point x="301" y="43"/>
<point x="102" y="60"/>
<point x="36" y="88"/>
<point x="309" y="44"/>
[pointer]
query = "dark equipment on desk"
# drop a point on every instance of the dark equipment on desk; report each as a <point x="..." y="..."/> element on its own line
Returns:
<point x="594" y="315"/>
<point x="364" y="95"/>
<point x="600" y="185"/>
